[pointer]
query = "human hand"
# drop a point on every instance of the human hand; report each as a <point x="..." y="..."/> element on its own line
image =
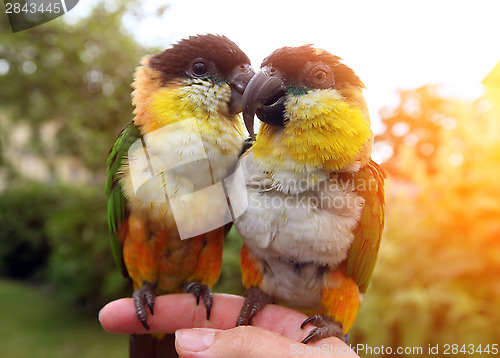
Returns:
<point x="275" y="332"/>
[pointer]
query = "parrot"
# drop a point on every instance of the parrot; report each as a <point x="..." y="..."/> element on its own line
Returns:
<point x="315" y="214"/>
<point x="188" y="103"/>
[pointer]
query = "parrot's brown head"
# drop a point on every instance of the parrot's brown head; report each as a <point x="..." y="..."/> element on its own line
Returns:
<point x="201" y="76"/>
<point x="312" y="109"/>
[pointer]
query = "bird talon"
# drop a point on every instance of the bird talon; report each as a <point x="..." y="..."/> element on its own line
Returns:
<point x="199" y="290"/>
<point x="310" y="336"/>
<point x="311" y="319"/>
<point x="144" y="296"/>
<point x="145" y="324"/>
<point x="255" y="301"/>
<point x="208" y="301"/>
<point x="195" y="289"/>
<point x="325" y="327"/>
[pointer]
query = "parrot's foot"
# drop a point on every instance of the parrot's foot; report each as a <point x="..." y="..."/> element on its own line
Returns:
<point x="199" y="290"/>
<point x="255" y="300"/>
<point x="142" y="297"/>
<point x="326" y="327"/>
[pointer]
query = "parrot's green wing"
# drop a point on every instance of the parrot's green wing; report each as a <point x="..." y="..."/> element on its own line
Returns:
<point x="369" y="184"/>
<point x="117" y="208"/>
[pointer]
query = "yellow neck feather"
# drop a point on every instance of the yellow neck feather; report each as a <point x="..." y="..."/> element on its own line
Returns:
<point x="157" y="106"/>
<point x="322" y="131"/>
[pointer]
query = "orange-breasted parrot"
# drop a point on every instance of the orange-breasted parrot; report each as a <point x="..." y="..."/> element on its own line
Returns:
<point x="186" y="135"/>
<point x="315" y="212"/>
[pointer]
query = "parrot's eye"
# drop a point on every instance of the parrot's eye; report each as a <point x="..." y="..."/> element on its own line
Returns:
<point x="199" y="68"/>
<point x="318" y="75"/>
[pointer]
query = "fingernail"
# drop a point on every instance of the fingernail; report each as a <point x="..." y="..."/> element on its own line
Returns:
<point x="194" y="340"/>
<point x="99" y="315"/>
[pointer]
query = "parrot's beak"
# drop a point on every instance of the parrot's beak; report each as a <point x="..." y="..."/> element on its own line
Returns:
<point x="265" y="96"/>
<point x="238" y="82"/>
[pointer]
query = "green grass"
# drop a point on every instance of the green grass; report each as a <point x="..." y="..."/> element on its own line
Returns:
<point x="35" y="324"/>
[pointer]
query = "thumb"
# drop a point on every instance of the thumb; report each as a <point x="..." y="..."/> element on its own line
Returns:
<point x="251" y="342"/>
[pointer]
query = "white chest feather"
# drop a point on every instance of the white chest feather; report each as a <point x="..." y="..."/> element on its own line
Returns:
<point x="301" y="216"/>
<point x="177" y="161"/>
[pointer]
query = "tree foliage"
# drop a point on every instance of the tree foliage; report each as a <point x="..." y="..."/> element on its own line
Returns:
<point x="76" y="77"/>
<point x="417" y="122"/>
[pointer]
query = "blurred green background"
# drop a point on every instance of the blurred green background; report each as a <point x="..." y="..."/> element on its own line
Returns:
<point x="65" y="95"/>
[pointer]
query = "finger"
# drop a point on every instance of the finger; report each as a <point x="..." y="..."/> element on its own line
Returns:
<point x="172" y="312"/>
<point x="251" y="342"/>
<point x="178" y="311"/>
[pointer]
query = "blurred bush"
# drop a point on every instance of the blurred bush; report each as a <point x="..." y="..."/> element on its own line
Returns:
<point x="58" y="234"/>
<point x="81" y="265"/>
<point x="24" y="244"/>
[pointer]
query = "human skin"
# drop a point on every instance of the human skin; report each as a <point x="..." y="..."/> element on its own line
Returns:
<point x="275" y="332"/>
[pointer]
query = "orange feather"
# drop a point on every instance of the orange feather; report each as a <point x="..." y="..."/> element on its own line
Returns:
<point x="251" y="271"/>
<point x="161" y="257"/>
<point x="340" y="298"/>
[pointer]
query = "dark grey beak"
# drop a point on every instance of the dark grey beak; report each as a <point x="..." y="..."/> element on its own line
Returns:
<point x="238" y="81"/>
<point x="265" y="96"/>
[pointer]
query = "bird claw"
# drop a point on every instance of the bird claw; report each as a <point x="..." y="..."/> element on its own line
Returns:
<point x="144" y="296"/>
<point x="255" y="300"/>
<point x="199" y="290"/>
<point x="326" y="327"/>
